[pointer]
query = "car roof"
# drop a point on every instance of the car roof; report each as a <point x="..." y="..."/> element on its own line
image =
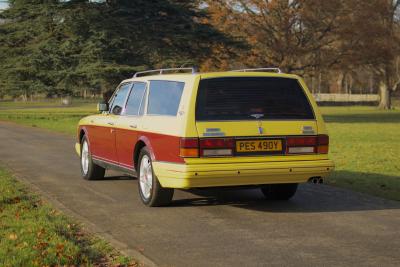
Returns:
<point x="183" y="77"/>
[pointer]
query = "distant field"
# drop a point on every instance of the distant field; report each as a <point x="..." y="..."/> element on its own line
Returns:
<point x="51" y="115"/>
<point x="46" y="103"/>
<point x="365" y="142"/>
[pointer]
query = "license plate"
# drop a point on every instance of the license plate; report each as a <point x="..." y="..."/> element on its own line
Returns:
<point x="259" y="145"/>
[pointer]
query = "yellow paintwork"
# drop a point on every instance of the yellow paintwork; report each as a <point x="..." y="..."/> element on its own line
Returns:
<point x="204" y="172"/>
<point x="78" y="148"/>
<point x="229" y="174"/>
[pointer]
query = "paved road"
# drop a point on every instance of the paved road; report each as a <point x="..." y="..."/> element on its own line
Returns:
<point x="320" y="226"/>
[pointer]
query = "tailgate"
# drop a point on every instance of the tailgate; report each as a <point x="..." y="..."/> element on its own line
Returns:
<point x="258" y="112"/>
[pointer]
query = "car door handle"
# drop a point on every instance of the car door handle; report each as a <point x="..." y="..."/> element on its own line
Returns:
<point x="133" y="126"/>
<point x="110" y="123"/>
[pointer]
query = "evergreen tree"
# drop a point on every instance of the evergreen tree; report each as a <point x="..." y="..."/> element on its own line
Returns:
<point x="66" y="47"/>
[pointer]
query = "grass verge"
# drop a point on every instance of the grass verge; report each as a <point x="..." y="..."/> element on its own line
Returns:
<point x="32" y="233"/>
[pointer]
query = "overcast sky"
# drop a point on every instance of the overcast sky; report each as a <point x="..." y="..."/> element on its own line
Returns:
<point x="3" y="6"/>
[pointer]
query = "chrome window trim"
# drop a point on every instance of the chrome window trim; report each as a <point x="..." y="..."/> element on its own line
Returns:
<point x="141" y="101"/>
<point x="126" y="98"/>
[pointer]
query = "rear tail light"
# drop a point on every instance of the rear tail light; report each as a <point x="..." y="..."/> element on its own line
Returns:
<point x="308" y="144"/>
<point x="225" y="147"/>
<point x="301" y="150"/>
<point x="216" y="152"/>
<point x="208" y="147"/>
<point x="323" y="144"/>
<point x="189" y="147"/>
<point x="217" y="147"/>
<point x="302" y="141"/>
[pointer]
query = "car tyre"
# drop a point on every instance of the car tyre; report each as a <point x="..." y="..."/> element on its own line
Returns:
<point x="151" y="192"/>
<point x="279" y="191"/>
<point x="89" y="170"/>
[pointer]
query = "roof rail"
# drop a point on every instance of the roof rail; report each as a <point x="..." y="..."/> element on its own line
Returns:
<point x="164" y="71"/>
<point x="277" y="70"/>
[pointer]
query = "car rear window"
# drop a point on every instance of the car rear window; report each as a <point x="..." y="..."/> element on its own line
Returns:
<point x="247" y="98"/>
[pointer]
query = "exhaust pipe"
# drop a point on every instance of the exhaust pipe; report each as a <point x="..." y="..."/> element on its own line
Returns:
<point x="316" y="180"/>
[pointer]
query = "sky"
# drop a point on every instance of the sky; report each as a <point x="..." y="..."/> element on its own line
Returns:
<point x="3" y="4"/>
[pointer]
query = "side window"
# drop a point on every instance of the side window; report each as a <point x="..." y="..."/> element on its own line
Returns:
<point x="135" y="99"/>
<point x="119" y="99"/>
<point x="164" y="97"/>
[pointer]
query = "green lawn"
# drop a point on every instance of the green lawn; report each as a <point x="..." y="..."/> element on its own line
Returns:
<point x="365" y="142"/>
<point x="365" y="145"/>
<point x="50" y="116"/>
<point x="32" y="233"/>
<point x="46" y="103"/>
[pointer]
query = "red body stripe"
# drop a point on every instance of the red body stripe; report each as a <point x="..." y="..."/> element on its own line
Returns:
<point x="165" y="147"/>
<point x="102" y="142"/>
<point x="118" y="145"/>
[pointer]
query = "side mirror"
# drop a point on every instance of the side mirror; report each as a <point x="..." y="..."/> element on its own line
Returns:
<point x="101" y="107"/>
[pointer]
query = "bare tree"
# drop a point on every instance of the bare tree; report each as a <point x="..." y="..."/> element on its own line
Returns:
<point x="310" y="37"/>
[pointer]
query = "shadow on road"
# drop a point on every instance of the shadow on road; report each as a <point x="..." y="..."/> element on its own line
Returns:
<point x="309" y="198"/>
<point x="117" y="178"/>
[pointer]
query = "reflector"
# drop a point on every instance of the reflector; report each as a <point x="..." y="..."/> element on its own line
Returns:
<point x="216" y="152"/>
<point x="301" y="149"/>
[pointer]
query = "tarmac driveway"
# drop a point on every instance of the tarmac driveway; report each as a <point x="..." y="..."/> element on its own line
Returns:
<point x="321" y="225"/>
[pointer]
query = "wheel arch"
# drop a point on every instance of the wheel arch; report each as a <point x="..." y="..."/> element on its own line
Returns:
<point x="83" y="132"/>
<point x="142" y="142"/>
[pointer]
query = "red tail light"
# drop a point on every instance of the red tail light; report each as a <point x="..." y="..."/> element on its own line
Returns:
<point x="323" y="144"/>
<point x="302" y="141"/>
<point x="308" y="144"/>
<point x="208" y="147"/>
<point x="217" y="143"/>
<point x="189" y="147"/>
<point x="217" y="147"/>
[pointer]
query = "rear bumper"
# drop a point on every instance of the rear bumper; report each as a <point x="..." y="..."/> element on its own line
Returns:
<point x="231" y="174"/>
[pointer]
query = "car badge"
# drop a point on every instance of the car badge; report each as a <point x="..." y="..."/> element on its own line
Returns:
<point x="260" y="128"/>
<point x="259" y="116"/>
<point x="213" y="132"/>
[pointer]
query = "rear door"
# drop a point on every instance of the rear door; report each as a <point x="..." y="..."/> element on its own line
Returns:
<point x="263" y="110"/>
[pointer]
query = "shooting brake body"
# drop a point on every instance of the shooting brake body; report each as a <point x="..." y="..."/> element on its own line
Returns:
<point x="188" y="130"/>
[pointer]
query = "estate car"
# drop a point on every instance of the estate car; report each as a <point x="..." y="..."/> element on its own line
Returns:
<point x="177" y="128"/>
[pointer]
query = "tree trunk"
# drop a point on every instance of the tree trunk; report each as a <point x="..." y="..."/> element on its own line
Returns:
<point x="339" y="83"/>
<point x="25" y="97"/>
<point x="319" y="81"/>
<point x="385" y="102"/>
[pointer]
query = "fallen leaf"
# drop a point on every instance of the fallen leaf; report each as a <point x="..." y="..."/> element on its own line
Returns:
<point x="13" y="236"/>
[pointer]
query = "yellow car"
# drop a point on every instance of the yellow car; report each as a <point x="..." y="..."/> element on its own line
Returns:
<point x="177" y="128"/>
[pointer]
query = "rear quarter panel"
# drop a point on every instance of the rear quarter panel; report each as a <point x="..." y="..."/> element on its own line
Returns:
<point x="163" y="133"/>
